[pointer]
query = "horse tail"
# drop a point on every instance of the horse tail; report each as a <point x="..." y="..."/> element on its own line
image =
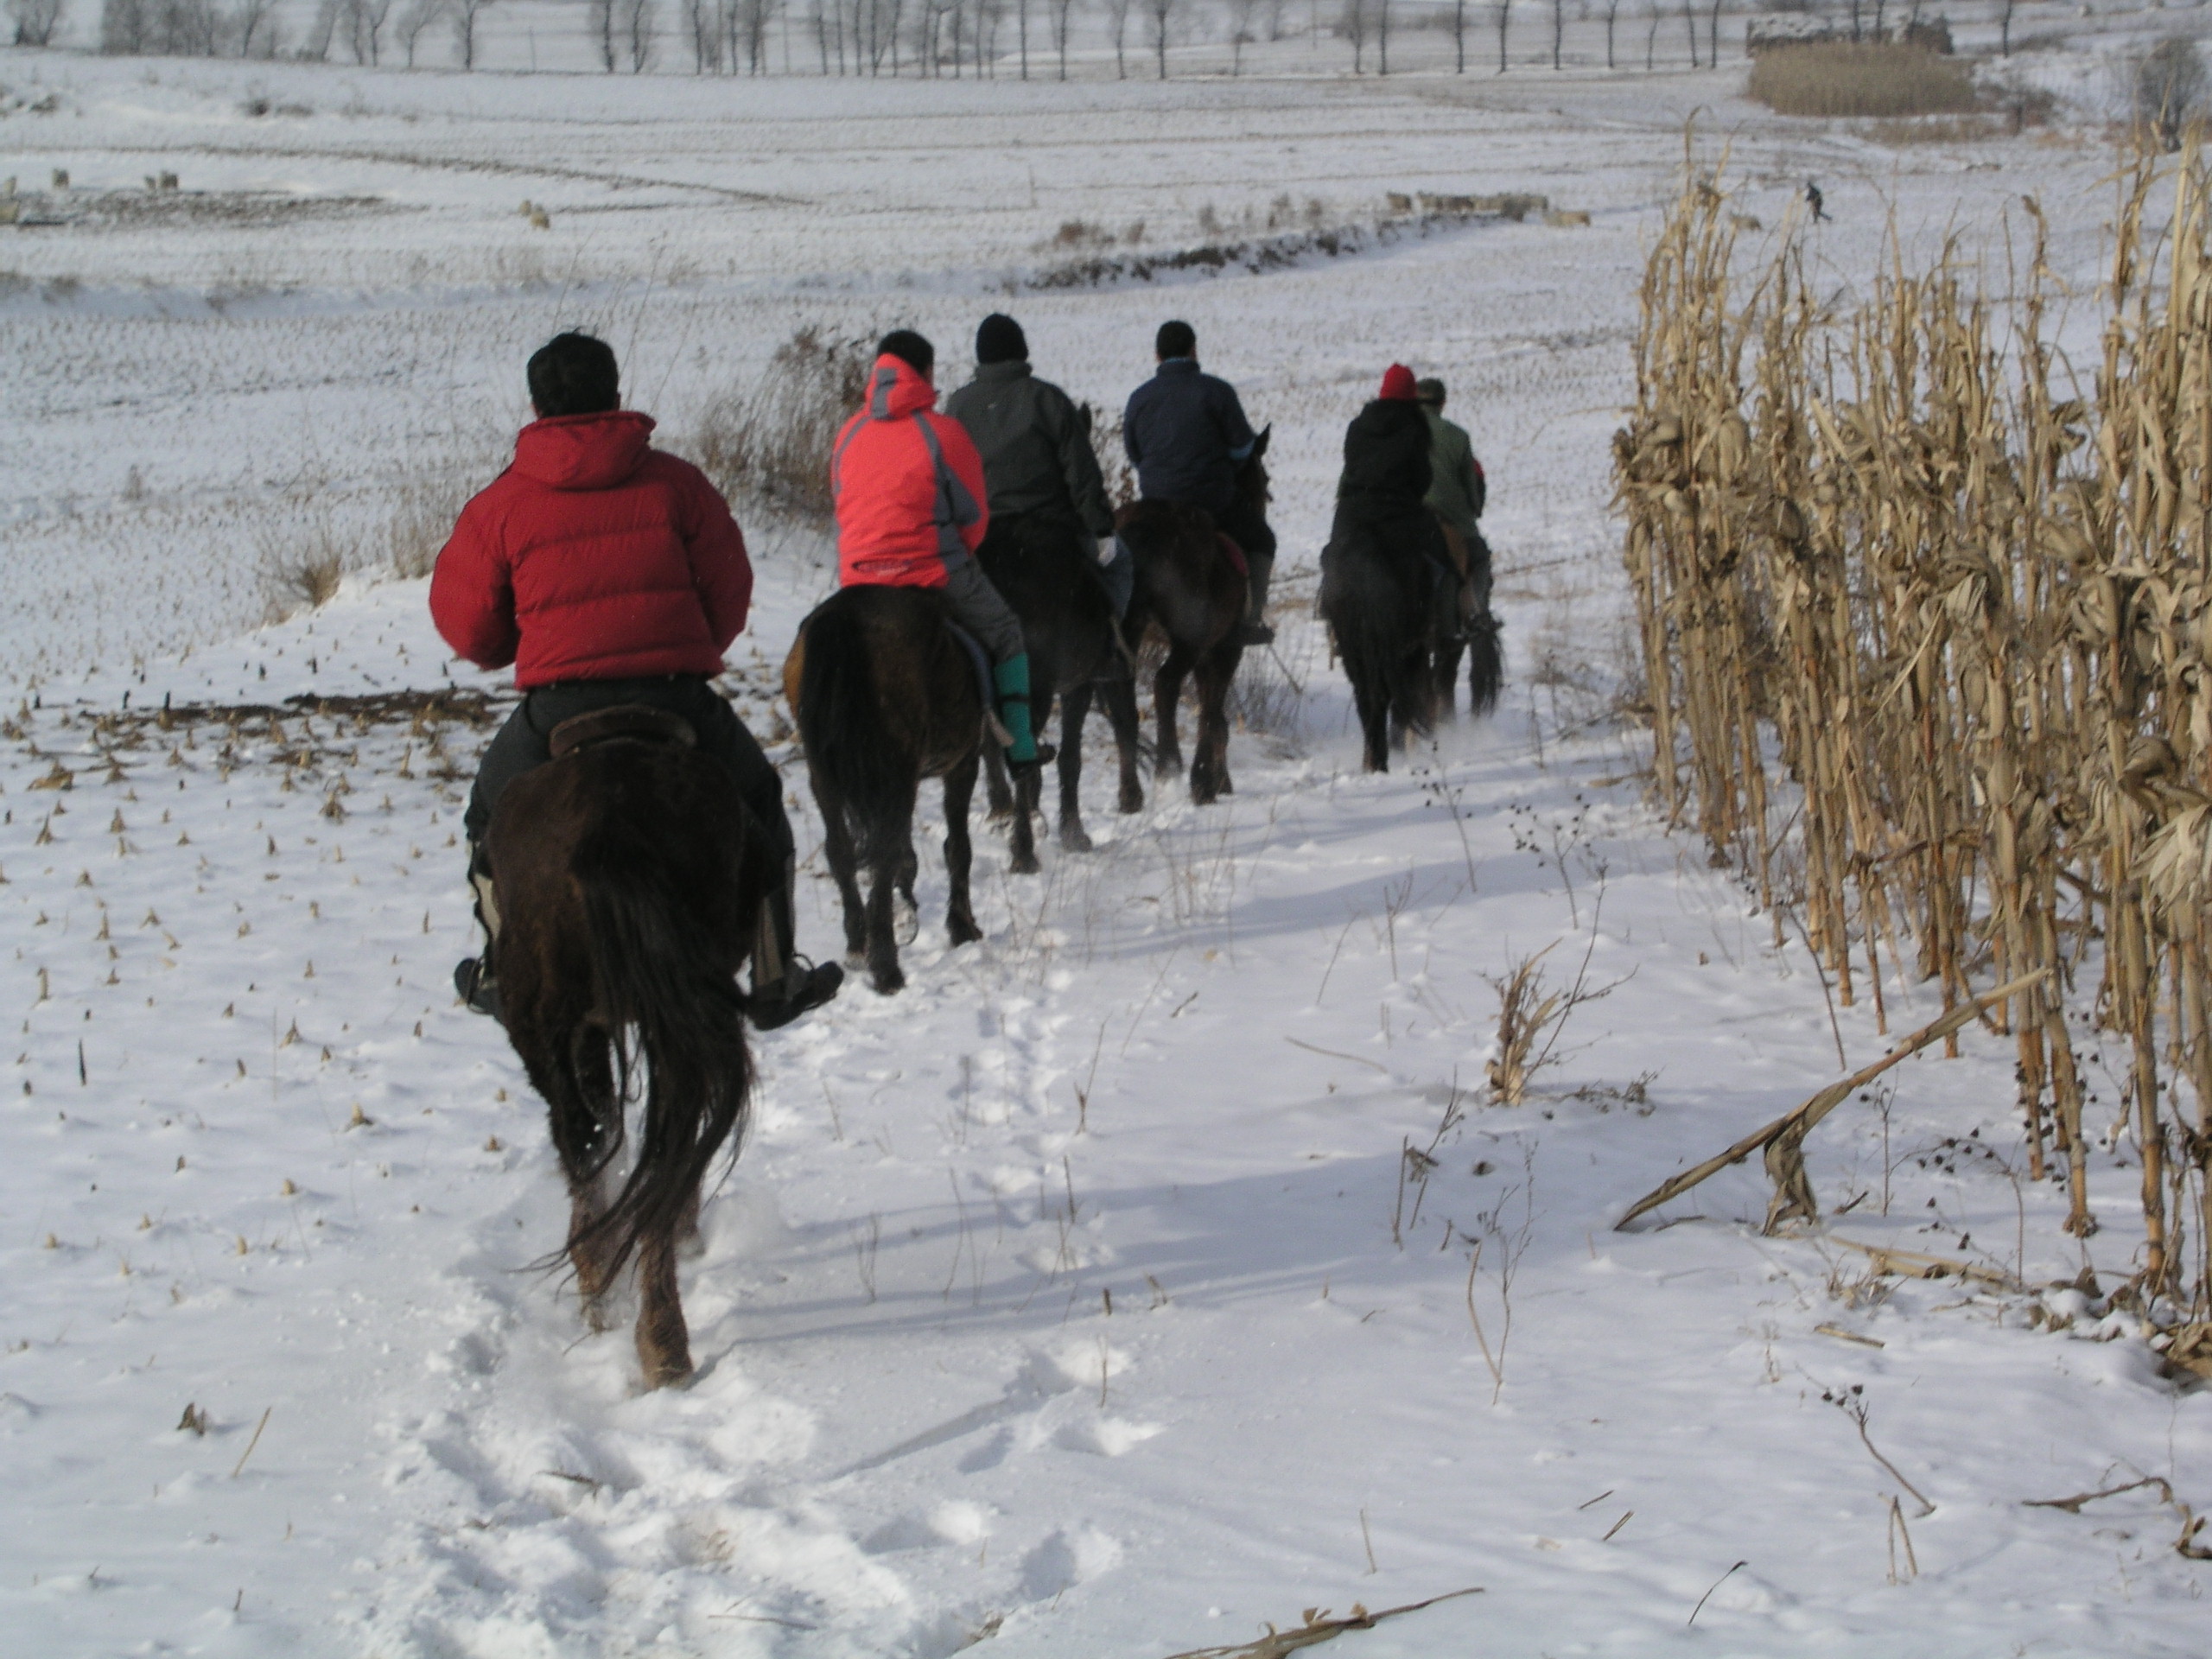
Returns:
<point x="662" y="987"/>
<point x="1485" y="663"/>
<point x="859" y="768"/>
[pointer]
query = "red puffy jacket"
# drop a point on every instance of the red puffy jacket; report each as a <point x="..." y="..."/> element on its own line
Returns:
<point x="908" y="485"/>
<point x="594" y="557"/>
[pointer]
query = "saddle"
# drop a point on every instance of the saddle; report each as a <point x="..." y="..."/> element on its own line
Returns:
<point x="622" y="723"/>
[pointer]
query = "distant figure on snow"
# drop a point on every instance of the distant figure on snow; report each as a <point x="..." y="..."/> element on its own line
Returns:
<point x="1035" y="446"/>
<point x="1815" y="200"/>
<point x="912" y="507"/>
<point x="1186" y="434"/>
<point x="608" y="572"/>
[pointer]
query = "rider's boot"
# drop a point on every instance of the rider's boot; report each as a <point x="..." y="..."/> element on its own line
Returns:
<point x="1259" y="567"/>
<point x="473" y="978"/>
<point x="785" y="984"/>
<point x="1011" y="681"/>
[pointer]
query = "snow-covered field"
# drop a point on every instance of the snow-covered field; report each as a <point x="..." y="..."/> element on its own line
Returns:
<point x="1082" y="1300"/>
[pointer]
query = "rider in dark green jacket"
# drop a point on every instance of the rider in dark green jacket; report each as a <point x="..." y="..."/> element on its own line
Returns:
<point x="1035" y="443"/>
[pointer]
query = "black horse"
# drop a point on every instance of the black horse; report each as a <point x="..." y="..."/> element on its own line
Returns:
<point x="885" y="695"/>
<point x="1189" y="585"/>
<point x="1044" y="571"/>
<point x="629" y="880"/>
<point x="1378" y="590"/>
<point x="1485" y="653"/>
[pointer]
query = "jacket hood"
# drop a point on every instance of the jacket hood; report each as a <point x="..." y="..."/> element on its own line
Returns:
<point x="895" y="389"/>
<point x="583" y="452"/>
<point x="994" y="372"/>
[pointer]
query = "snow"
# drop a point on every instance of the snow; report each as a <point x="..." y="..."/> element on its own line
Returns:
<point x="1082" y="1299"/>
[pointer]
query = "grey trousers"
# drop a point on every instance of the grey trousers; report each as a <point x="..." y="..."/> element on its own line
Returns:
<point x="976" y="607"/>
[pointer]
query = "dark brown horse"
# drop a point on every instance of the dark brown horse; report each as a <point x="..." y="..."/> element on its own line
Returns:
<point x="886" y="696"/>
<point x="1186" y="584"/>
<point x="629" y="881"/>
<point x="1038" y="566"/>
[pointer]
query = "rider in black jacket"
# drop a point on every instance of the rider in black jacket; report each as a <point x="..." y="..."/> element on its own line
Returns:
<point x="1382" y="488"/>
<point x="1186" y="434"/>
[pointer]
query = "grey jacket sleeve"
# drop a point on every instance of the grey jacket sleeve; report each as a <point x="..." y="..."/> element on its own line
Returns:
<point x="1071" y="433"/>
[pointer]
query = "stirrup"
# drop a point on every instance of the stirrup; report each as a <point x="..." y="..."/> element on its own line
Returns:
<point x="1255" y="633"/>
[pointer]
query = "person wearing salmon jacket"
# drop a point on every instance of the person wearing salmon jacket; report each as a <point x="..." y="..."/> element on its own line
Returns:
<point x="912" y="511"/>
<point x="606" y="572"/>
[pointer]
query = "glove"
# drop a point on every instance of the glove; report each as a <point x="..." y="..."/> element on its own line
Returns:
<point x="1108" y="547"/>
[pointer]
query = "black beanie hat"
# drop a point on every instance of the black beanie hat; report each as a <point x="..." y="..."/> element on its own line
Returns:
<point x="909" y="348"/>
<point x="1000" y="340"/>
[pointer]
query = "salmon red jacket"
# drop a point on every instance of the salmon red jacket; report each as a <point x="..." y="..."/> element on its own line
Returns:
<point x="594" y="557"/>
<point x="908" y="485"/>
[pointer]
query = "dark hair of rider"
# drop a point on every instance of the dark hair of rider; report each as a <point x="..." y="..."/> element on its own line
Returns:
<point x="574" y="374"/>
<point x="1175" y="339"/>
<point x="909" y="348"/>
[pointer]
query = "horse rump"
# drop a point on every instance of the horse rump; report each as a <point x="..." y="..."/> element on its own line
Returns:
<point x="1378" y="616"/>
<point x="860" y="770"/>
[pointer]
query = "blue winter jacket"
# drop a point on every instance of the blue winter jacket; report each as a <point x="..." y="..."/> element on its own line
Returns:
<point x="1185" y="432"/>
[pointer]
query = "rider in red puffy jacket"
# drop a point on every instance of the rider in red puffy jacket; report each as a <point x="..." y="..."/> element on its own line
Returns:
<point x="912" y="511"/>
<point x="608" y="572"/>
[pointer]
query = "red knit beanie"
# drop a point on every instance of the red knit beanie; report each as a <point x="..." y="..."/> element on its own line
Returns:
<point x="1398" y="385"/>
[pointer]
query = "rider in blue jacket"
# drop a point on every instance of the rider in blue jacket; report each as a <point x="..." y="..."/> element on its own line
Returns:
<point x="1186" y="434"/>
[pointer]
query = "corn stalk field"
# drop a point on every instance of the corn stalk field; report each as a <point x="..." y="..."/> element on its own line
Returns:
<point x="1925" y="611"/>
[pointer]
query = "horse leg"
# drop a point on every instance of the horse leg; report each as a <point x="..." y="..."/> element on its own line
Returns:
<point x="906" y="913"/>
<point x="959" y="853"/>
<point x="1024" y="838"/>
<point x="1446" y="677"/>
<point x="837" y="850"/>
<point x="1075" y="708"/>
<point x="996" y="790"/>
<point x="663" y="1341"/>
<point x="591" y="1079"/>
<point x="1166" y="694"/>
<point x="1210" y="767"/>
<point x="1120" y="697"/>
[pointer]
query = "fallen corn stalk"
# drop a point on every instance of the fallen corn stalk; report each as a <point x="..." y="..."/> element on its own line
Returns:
<point x="1916" y="1264"/>
<point x="1783" y="1140"/>
<point x="1318" y="1627"/>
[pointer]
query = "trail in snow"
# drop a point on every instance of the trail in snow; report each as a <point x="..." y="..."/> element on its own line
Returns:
<point x="1080" y="1292"/>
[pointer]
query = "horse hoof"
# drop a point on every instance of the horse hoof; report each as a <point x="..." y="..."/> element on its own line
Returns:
<point x="905" y="920"/>
<point x="670" y="1374"/>
<point x="889" y="982"/>
<point x="962" y="931"/>
<point x="1074" y="840"/>
<point x="1025" y="866"/>
<point x="1132" y="802"/>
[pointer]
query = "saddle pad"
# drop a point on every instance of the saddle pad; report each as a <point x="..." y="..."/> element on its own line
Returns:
<point x="635" y="722"/>
<point x="1233" y="553"/>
